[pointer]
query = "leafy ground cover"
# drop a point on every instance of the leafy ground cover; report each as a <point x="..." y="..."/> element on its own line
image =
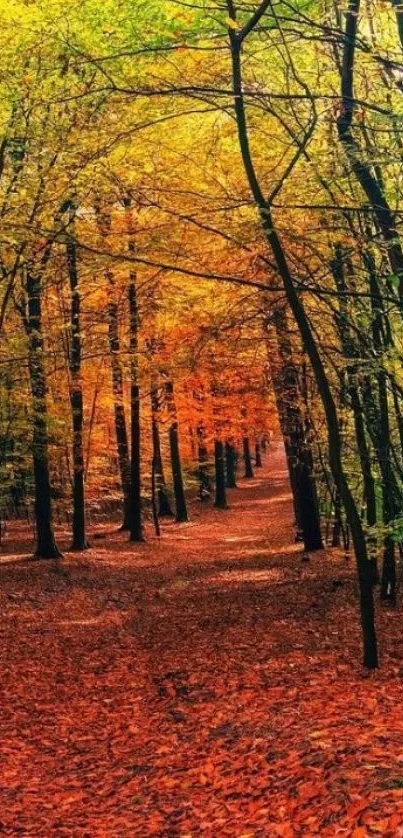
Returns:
<point x="204" y="685"/>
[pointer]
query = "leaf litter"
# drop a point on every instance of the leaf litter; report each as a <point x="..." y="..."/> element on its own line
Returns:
<point x="202" y="688"/>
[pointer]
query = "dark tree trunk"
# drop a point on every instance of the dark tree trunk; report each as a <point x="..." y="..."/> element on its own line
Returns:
<point x="364" y="173"/>
<point x="337" y="525"/>
<point x="299" y="456"/>
<point x="164" y="507"/>
<point x="247" y="457"/>
<point x="76" y="395"/>
<point x="230" y="464"/>
<point x="350" y="352"/>
<point x="136" y="528"/>
<point x="390" y="501"/>
<point x="179" y="491"/>
<point x="220" y="493"/>
<point x="391" y="495"/>
<point x="119" y="412"/>
<point x="204" y="478"/>
<point x="258" y="455"/>
<point x="154" y="499"/>
<point x="46" y="547"/>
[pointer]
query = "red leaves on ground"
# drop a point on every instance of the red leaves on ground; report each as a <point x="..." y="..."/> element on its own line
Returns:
<point x="206" y="685"/>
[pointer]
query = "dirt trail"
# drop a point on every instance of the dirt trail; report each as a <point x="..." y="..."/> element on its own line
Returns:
<point x="204" y="685"/>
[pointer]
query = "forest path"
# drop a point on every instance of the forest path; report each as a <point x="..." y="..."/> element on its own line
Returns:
<point x="204" y="685"/>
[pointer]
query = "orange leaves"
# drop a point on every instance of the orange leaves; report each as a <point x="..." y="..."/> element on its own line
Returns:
<point x="221" y="712"/>
<point x="283" y="830"/>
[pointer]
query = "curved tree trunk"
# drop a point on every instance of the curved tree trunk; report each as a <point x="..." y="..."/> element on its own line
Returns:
<point x="364" y="571"/>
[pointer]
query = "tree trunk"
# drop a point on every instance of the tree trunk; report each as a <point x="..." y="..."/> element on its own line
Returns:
<point x="230" y="465"/>
<point x="350" y="352"/>
<point x="46" y="547"/>
<point x="297" y="308"/>
<point x="136" y="528"/>
<point x="164" y="507"/>
<point x="247" y="457"/>
<point x="365" y="176"/>
<point x="119" y="411"/>
<point x="392" y="506"/>
<point x="179" y="492"/>
<point x="204" y="478"/>
<point x="299" y="456"/>
<point x="258" y="455"/>
<point x="220" y="493"/>
<point x="154" y="499"/>
<point x="76" y="395"/>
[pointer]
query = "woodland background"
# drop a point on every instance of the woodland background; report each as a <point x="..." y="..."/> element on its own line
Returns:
<point x="201" y="417"/>
<point x="201" y="246"/>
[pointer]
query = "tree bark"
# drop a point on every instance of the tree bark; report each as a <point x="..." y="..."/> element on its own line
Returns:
<point x="179" y="491"/>
<point x="247" y="457"/>
<point x="164" y="507"/>
<point x="286" y="387"/>
<point x="230" y="465"/>
<point x="367" y="179"/>
<point x="76" y="392"/>
<point x="119" y="411"/>
<point x="46" y="547"/>
<point x="204" y="478"/>
<point x="136" y="526"/>
<point x="220" y="493"/>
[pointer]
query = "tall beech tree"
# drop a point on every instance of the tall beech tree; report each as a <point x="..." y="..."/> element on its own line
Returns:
<point x="46" y="547"/>
<point x="76" y="389"/>
<point x="164" y="507"/>
<point x="136" y="525"/>
<point x="365" y="575"/>
<point x="176" y="465"/>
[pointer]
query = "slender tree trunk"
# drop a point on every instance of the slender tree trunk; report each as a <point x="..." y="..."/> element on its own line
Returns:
<point x="337" y="527"/>
<point x="154" y="498"/>
<point x="46" y="547"/>
<point x="204" y="478"/>
<point x="350" y="352"/>
<point x="365" y="176"/>
<point x="392" y="506"/>
<point x="247" y="457"/>
<point x="136" y="527"/>
<point x="179" y="491"/>
<point x="220" y="493"/>
<point x="76" y="394"/>
<point x="164" y="507"/>
<point x="230" y="465"/>
<point x="258" y="455"/>
<point x="119" y="411"/>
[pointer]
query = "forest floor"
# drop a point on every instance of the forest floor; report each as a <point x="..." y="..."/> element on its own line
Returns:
<point x="205" y="685"/>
